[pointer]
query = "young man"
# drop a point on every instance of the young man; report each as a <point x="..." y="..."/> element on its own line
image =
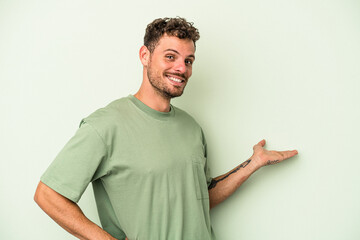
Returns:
<point x="145" y="158"/>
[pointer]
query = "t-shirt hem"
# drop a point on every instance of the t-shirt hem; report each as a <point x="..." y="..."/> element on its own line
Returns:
<point x="68" y="193"/>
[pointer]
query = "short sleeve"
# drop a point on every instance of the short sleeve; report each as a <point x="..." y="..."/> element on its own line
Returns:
<point x="207" y="173"/>
<point x="206" y="168"/>
<point x="76" y="164"/>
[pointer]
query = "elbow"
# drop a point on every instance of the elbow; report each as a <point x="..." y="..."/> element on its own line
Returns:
<point x="212" y="205"/>
<point x="212" y="200"/>
<point x="39" y="196"/>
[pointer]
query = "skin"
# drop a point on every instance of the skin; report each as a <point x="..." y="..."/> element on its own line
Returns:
<point x="170" y="62"/>
<point x="172" y="58"/>
<point x="226" y="184"/>
<point x="68" y="214"/>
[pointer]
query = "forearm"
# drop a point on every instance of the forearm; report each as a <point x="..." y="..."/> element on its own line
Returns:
<point x="68" y="214"/>
<point x="223" y="186"/>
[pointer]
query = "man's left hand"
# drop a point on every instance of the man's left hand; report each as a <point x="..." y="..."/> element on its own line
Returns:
<point x="265" y="157"/>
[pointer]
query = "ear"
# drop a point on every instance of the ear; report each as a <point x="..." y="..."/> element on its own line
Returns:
<point x="144" y="55"/>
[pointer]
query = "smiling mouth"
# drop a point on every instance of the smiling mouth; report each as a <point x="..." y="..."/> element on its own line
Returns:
<point x="179" y="80"/>
<point x="175" y="79"/>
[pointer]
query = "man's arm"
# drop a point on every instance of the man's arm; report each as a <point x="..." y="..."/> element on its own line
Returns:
<point x="223" y="186"/>
<point x="68" y="214"/>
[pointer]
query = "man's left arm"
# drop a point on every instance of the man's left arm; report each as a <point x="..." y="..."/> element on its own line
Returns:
<point x="223" y="186"/>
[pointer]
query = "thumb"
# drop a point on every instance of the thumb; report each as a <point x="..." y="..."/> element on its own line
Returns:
<point x="260" y="144"/>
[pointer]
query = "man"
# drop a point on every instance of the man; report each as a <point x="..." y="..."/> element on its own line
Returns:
<point x="145" y="158"/>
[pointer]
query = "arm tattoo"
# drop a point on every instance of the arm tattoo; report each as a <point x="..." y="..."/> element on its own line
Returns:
<point x="214" y="182"/>
<point x="272" y="162"/>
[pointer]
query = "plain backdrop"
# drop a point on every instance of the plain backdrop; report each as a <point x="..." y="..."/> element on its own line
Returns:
<point x="286" y="71"/>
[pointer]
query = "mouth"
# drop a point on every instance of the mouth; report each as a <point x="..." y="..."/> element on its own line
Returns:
<point x="175" y="80"/>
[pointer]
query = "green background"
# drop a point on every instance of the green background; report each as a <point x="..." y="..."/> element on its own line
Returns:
<point x="286" y="71"/>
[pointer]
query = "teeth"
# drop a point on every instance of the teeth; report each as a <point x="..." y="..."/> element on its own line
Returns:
<point x="175" y="79"/>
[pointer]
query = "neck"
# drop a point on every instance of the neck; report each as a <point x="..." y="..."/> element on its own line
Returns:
<point x="155" y="101"/>
<point x="148" y="95"/>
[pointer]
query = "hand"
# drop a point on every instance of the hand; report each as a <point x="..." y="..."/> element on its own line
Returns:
<point x="265" y="157"/>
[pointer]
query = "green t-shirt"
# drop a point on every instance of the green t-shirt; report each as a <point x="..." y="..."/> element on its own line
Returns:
<point x="148" y="169"/>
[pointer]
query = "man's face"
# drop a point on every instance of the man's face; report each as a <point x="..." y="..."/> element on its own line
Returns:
<point x="170" y="65"/>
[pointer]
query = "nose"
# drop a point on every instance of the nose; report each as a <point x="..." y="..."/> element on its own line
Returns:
<point x="180" y="67"/>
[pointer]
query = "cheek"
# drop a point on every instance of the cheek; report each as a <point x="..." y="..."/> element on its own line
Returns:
<point x="189" y="72"/>
<point x="167" y="66"/>
<point x="160" y="68"/>
<point x="164" y="67"/>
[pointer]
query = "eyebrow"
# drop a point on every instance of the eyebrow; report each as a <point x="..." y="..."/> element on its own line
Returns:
<point x="173" y="50"/>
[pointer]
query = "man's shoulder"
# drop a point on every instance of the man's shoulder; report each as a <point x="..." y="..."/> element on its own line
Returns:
<point x="106" y="117"/>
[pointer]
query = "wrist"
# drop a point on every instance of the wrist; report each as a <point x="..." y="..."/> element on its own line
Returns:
<point x="256" y="162"/>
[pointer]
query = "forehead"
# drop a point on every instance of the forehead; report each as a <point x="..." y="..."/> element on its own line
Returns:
<point x="183" y="46"/>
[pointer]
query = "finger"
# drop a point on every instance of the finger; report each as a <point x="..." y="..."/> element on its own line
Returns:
<point x="288" y="154"/>
<point x="260" y="144"/>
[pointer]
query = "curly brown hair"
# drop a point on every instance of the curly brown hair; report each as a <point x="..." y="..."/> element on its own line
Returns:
<point x="177" y="27"/>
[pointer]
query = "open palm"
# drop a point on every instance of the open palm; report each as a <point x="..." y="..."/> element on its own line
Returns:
<point x="269" y="157"/>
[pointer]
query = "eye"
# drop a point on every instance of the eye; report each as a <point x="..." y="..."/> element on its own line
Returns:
<point x="188" y="62"/>
<point x="170" y="57"/>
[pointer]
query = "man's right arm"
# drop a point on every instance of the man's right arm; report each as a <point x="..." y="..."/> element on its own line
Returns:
<point x="68" y="214"/>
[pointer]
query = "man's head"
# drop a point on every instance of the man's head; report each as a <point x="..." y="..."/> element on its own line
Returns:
<point x="176" y="27"/>
<point x="167" y="56"/>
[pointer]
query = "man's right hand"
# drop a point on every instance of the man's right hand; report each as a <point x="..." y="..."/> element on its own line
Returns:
<point x="68" y="214"/>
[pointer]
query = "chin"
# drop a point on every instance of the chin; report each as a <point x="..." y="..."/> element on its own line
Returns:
<point x="168" y="94"/>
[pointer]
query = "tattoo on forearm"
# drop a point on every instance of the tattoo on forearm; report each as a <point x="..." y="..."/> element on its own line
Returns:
<point x="272" y="162"/>
<point x="214" y="182"/>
